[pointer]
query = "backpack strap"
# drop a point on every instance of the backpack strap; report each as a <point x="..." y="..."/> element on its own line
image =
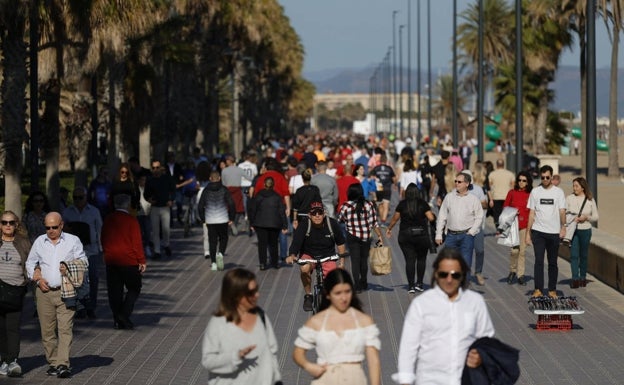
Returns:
<point x="260" y="312"/>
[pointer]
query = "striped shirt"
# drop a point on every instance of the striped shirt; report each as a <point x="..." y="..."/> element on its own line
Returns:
<point x="362" y="225"/>
<point x="11" y="270"/>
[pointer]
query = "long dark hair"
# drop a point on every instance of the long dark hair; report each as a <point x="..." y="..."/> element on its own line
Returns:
<point x="585" y="186"/>
<point x="454" y="254"/>
<point x="355" y="193"/>
<point x="235" y="286"/>
<point x="335" y="277"/>
<point x="411" y="199"/>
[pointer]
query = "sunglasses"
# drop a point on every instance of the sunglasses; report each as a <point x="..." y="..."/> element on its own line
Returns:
<point x="459" y="181"/>
<point x="52" y="227"/>
<point x="254" y="291"/>
<point x="545" y="178"/>
<point x="455" y="275"/>
<point x="10" y="223"/>
<point x="122" y="172"/>
<point x="316" y="212"/>
<point x="155" y="167"/>
<point x="522" y="180"/>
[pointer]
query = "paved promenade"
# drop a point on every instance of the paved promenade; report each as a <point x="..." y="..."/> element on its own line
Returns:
<point x="180" y="294"/>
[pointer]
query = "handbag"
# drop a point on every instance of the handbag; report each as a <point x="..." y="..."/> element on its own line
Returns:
<point x="381" y="260"/>
<point x="11" y="297"/>
<point x="571" y="224"/>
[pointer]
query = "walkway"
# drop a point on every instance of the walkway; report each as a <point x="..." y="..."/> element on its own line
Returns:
<point x="181" y="293"/>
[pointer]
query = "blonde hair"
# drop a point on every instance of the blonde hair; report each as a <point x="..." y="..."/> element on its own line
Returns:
<point x="19" y="229"/>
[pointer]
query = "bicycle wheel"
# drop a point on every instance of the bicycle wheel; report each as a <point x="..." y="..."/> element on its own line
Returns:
<point x="316" y="299"/>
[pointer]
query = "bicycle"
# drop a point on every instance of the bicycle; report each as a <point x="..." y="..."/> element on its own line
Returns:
<point x="317" y="287"/>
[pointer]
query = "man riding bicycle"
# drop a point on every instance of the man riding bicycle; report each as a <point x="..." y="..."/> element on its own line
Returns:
<point x="318" y="236"/>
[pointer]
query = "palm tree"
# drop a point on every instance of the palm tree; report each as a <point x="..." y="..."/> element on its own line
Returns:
<point x="443" y="101"/>
<point x="613" y="12"/>
<point x="13" y="17"/>
<point x="545" y="35"/>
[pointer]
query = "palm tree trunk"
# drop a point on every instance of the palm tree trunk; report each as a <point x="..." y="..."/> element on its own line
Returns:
<point x="50" y="140"/>
<point x="614" y="169"/>
<point x="13" y="91"/>
<point x="540" y="135"/>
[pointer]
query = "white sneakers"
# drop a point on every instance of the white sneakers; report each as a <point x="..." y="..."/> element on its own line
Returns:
<point x="12" y="370"/>
<point x="219" y="259"/>
<point x="213" y="267"/>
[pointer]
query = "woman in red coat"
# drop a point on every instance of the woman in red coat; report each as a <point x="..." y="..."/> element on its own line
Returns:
<point x="518" y="198"/>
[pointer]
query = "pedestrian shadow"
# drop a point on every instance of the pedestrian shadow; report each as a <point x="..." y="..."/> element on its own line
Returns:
<point x="78" y="364"/>
<point x="376" y="287"/>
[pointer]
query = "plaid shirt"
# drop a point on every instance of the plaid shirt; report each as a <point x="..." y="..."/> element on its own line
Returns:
<point x="361" y="226"/>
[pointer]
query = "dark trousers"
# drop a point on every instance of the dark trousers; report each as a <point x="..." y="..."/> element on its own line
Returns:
<point x="267" y="238"/>
<point x="217" y="235"/>
<point x="118" y="277"/>
<point x="94" y="280"/>
<point x="360" y="251"/>
<point x="544" y="243"/>
<point x="10" y="335"/>
<point x="497" y="209"/>
<point x="415" y="250"/>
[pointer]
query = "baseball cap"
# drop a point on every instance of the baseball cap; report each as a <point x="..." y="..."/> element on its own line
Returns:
<point x="316" y="205"/>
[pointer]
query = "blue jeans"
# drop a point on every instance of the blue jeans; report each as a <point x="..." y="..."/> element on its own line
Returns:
<point x="464" y="243"/>
<point x="578" y="253"/>
<point x="544" y="243"/>
<point x="283" y="245"/>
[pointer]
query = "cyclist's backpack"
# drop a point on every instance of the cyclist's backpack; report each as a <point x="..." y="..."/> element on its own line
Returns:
<point x="331" y="231"/>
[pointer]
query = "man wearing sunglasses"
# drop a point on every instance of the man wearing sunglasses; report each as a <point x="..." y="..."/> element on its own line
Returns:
<point x="440" y="326"/>
<point x="44" y="267"/>
<point x="461" y="215"/>
<point x="547" y="224"/>
<point x="319" y="238"/>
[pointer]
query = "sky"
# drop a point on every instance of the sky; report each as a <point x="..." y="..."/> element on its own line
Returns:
<point x="357" y="33"/>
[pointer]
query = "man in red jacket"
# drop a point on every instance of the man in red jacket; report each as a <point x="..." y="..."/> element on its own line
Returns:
<point x="125" y="261"/>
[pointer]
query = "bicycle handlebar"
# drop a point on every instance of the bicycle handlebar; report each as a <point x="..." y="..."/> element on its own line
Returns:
<point x="334" y="257"/>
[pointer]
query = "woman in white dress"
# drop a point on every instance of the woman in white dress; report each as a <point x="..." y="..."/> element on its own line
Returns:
<point x="342" y="335"/>
<point x="239" y="345"/>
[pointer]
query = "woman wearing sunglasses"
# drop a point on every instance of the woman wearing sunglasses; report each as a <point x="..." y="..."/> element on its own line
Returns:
<point x="239" y="344"/>
<point x="14" y="249"/>
<point x="518" y="198"/>
<point x="441" y="324"/>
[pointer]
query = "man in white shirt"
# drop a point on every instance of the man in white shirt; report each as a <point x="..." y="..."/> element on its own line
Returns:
<point x="250" y="168"/>
<point x="461" y="215"/>
<point x="440" y="325"/>
<point x="547" y="224"/>
<point x="44" y="267"/>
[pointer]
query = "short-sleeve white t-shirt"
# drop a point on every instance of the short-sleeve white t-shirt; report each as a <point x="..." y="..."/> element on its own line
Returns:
<point x="546" y="203"/>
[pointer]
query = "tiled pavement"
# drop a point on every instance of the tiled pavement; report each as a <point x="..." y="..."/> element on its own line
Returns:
<point x="179" y="295"/>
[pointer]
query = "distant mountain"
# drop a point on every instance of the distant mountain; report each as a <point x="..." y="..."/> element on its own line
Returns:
<point x="566" y="85"/>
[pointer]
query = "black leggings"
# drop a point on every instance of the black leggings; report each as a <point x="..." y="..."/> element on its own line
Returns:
<point x="415" y="249"/>
<point x="217" y="234"/>
<point x="359" y="251"/>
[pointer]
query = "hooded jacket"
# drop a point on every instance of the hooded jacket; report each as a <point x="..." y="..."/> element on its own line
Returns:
<point x="216" y="204"/>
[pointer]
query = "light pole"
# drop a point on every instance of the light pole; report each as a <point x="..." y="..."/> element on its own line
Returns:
<point x="401" y="80"/>
<point x="429" y="67"/>
<point x="394" y="62"/>
<point x="454" y="117"/>
<point x="480" y="135"/>
<point x="409" y="68"/>
<point x="519" y="96"/>
<point x="418" y="83"/>
<point x="590" y="94"/>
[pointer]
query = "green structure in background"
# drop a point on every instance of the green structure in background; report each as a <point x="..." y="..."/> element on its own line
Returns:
<point x="601" y="145"/>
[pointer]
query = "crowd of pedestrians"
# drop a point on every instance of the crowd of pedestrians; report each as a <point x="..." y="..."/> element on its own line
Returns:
<point x="308" y="198"/>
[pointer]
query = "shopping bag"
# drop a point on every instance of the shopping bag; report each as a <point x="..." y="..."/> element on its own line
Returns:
<point x="381" y="260"/>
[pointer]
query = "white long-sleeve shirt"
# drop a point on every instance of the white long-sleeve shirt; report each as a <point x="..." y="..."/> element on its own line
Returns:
<point x="437" y="333"/>
<point x="459" y="212"/>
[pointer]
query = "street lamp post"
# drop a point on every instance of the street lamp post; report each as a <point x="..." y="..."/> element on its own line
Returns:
<point x="419" y="135"/>
<point x="401" y="80"/>
<point x="454" y="117"/>
<point x="519" y="97"/>
<point x="480" y="135"/>
<point x="409" y="68"/>
<point x="429" y="66"/>
<point x="394" y="67"/>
